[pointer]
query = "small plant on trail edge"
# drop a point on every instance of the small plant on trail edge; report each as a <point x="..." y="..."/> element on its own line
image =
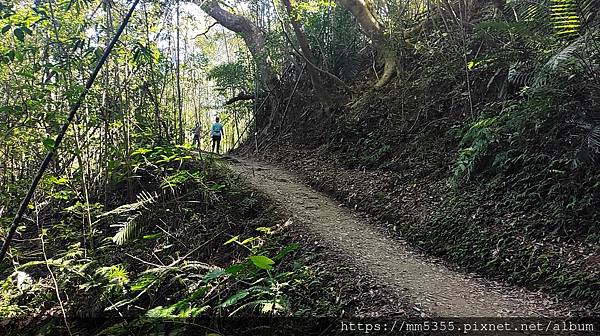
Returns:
<point x="477" y="139"/>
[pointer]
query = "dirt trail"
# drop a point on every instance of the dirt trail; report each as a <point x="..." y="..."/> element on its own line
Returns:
<point x="434" y="289"/>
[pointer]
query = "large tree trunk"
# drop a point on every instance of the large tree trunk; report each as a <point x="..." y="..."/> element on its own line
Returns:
<point x="310" y="58"/>
<point x="253" y="37"/>
<point x="361" y="10"/>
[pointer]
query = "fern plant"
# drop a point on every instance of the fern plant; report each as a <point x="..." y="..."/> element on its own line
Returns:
<point x="564" y="17"/>
<point x="588" y="10"/>
<point x="131" y="214"/>
<point x="546" y="37"/>
<point x="478" y="137"/>
<point x="590" y="146"/>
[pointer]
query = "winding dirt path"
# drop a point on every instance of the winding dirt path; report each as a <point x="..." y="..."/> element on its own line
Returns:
<point x="434" y="289"/>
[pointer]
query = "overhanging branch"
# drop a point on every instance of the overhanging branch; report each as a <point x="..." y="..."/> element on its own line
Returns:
<point x="207" y="30"/>
<point x="239" y="97"/>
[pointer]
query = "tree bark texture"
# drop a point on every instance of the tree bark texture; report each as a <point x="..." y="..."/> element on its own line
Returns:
<point x="313" y="73"/>
<point x="253" y="37"/>
<point x="364" y="15"/>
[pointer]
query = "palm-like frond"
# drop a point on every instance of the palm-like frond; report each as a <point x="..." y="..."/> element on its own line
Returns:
<point x="565" y="62"/>
<point x="132" y="224"/>
<point x="567" y="56"/>
<point x="589" y="150"/>
<point x="130" y="229"/>
<point x="521" y="73"/>
<point x="588" y="10"/>
<point x="530" y="10"/>
<point x="143" y="199"/>
<point x="593" y="138"/>
<point x="564" y="17"/>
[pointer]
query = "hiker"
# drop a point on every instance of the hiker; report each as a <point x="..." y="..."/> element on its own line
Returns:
<point x="197" y="131"/>
<point x="216" y="132"/>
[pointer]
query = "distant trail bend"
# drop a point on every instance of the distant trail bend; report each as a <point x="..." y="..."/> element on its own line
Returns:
<point x="432" y="287"/>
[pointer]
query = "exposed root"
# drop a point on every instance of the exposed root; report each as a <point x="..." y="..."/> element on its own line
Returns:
<point x="389" y="69"/>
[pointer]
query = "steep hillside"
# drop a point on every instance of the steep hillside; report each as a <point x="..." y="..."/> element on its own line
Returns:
<point x="533" y="223"/>
<point x="496" y="173"/>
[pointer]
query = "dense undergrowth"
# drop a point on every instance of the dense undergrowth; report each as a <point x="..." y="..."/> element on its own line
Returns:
<point x="483" y="149"/>
<point x="527" y="213"/>
<point x="194" y="244"/>
<point x="536" y="228"/>
<point x="498" y="174"/>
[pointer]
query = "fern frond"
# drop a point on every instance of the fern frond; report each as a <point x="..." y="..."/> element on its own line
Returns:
<point x="590" y="144"/>
<point x="132" y="226"/>
<point x="535" y="13"/>
<point x="567" y="61"/>
<point x="566" y="56"/>
<point x="143" y="199"/>
<point x="588" y="10"/>
<point x="564" y="17"/>
<point x="593" y="138"/>
<point x="521" y="73"/>
<point x="129" y="230"/>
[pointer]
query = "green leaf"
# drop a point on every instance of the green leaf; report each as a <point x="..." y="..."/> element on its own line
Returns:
<point x="266" y="230"/>
<point x="141" y="151"/>
<point x="143" y="282"/>
<point x="161" y="312"/>
<point x="262" y="262"/>
<point x="48" y="144"/>
<point x="233" y="239"/>
<point x="27" y="74"/>
<point x="235" y="268"/>
<point x="213" y="275"/>
<point x="286" y="250"/>
<point x="152" y="236"/>
<point x="19" y="55"/>
<point x="58" y="181"/>
<point x="19" y="34"/>
<point x="248" y="240"/>
<point x="234" y="298"/>
<point x="6" y="28"/>
<point x="217" y="187"/>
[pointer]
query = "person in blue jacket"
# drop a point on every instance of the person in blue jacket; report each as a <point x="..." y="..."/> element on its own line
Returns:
<point x="216" y="132"/>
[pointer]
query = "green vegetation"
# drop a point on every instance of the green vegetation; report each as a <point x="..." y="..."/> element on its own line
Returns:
<point x="481" y="116"/>
<point x="484" y="147"/>
<point x="170" y="250"/>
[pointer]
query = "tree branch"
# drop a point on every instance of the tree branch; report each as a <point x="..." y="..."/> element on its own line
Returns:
<point x="207" y="30"/>
<point x="240" y="96"/>
<point x="253" y="37"/>
<point x="334" y="77"/>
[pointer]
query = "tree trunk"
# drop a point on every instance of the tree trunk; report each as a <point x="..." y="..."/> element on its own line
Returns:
<point x="253" y="37"/>
<point x="363" y="13"/>
<point x="178" y="75"/>
<point x="313" y="73"/>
